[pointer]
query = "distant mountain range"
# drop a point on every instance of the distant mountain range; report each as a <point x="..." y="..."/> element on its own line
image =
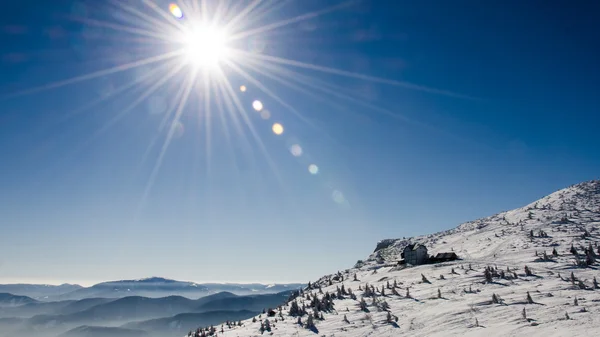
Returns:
<point x="94" y="316"/>
<point x="38" y="291"/>
<point x="153" y="287"/>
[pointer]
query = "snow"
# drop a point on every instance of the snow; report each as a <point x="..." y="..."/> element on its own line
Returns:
<point x="465" y="308"/>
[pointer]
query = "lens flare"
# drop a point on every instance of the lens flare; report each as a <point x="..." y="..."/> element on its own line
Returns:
<point x="176" y="11"/>
<point x="296" y="150"/>
<point x="265" y="114"/>
<point x="338" y="197"/>
<point x="257" y="105"/>
<point x="243" y="88"/>
<point x="277" y="129"/>
<point x="313" y="169"/>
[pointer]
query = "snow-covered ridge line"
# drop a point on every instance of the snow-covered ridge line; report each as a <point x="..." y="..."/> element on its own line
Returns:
<point x="530" y="271"/>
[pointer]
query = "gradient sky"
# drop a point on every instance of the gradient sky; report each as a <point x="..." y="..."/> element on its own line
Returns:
<point x="503" y="109"/>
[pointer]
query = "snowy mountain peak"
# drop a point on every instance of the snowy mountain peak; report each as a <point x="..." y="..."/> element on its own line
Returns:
<point x="578" y="204"/>
<point x="532" y="270"/>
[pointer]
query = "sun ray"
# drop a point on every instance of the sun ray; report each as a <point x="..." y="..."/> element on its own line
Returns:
<point x="207" y="120"/>
<point x="270" y="93"/>
<point x="333" y="90"/>
<point x="231" y="111"/>
<point x="241" y="15"/>
<point x="265" y="72"/>
<point x="345" y="73"/>
<point x="114" y="93"/>
<point x="111" y="122"/>
<point x="168" y="139"/>
<point x="286" y="22"/>
<point x="153" y="22"/>
<point x="243" y="112"/>
<point x="99" y="73"/>
<point x="121" y="28"/>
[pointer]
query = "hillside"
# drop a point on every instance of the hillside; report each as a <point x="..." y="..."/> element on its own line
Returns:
<point x="182" y="323"/>
<point x="94" y="331"/>
<point x="488" y="291"/>
<point x="10" y="300"/>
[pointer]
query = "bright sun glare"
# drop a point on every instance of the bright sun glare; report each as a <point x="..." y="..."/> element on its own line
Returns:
<point x="205" y="46"/>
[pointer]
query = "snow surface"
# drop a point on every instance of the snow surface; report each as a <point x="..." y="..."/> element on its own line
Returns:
<point x="465" y="308"/>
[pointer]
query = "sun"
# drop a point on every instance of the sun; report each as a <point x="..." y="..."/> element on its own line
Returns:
<point x="205" y="46"/>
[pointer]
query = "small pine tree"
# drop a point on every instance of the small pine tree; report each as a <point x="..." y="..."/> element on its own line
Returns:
<point x="439" y="293"/>
<point x="554" y="252"/>
<point x="355" y="279"/>
<point x="442" y="277"/>
<point x="575" y="301"/>
<point x="346" y="319"/>
<point x="424" y="279"/>
<point x="488" y="275"/>
<point x="452" y="271"/>
<point x="476" y="323"/>
<point x="253" y="319"/>
<point x="595" y="283"/>
<point x="573" y="279"/>
<point x="529" y="299"/>
<point x="494" y="299"/>
<point x="408" y="292"/>
<point x="363" y="305"/>
<point x="524" y="314"/>
<point x="567" y="315"/>
<point x="528" y="271"/>
<point x="389" y="318"/>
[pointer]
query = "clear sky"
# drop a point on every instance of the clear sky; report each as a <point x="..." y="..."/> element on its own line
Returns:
<point x="436" y="112"/>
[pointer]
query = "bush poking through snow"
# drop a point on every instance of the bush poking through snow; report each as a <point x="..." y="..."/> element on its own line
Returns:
<point x="424" y="279"/>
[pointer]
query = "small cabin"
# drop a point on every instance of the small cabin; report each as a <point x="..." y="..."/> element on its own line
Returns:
<point x="444" y="257"/>
<point x="415" y="254"/>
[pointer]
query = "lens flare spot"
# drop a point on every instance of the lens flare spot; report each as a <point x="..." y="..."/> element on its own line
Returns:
<point x="313" y="169"/>
<point x="277" y="129"/>
<point x="176" y="11"/>
<point x="243" y="88"/>
<point x="177" y="129"/>
<point x="256" y="45"/>
<point x="265" y="114"/>
<point x="296" y="150"/>
<point x="257" y="105"/>
<point x="338" y="197"/>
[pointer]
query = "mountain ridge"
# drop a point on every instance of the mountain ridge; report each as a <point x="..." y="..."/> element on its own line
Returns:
<point x="530" y="270"/>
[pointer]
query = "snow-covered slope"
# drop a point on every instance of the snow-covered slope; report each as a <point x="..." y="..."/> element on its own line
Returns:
<point x="455" y="298"/>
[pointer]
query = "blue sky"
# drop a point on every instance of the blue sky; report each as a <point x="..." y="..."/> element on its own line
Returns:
<point x="501" y="109"/>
